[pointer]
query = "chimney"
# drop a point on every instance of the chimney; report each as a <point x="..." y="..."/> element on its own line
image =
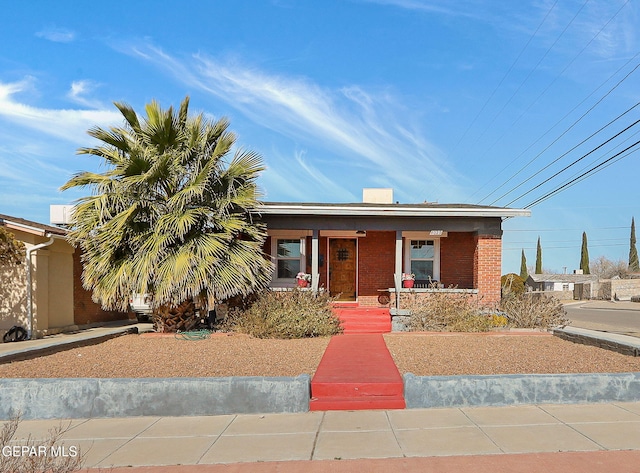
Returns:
<point x="377" y="195"/>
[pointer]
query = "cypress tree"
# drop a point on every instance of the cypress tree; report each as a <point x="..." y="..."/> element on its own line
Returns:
<point x="584" y="255"/>
<point x="634" y="266"/>
<point x="539" y="258"/>
<point x="523" y="267"/>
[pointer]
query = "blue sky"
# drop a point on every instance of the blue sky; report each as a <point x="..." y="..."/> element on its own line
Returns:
<point x="447" y="101"/>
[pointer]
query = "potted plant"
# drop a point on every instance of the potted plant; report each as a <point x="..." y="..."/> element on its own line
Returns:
<point x="408" y="280"/>
<point x="303" y="279"/>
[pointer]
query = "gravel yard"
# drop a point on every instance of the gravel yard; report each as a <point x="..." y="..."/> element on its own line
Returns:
<point x="133" y="356"/>
<point x="495" y="353"/>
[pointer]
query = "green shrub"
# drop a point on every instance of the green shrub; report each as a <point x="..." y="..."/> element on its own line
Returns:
<point x="531" y="310"/>
<point x="446" y="312"/>
<point x="512" y="283"/>
<point x="291" y="314"/>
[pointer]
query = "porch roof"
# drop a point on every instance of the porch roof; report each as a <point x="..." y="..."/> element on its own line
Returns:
<point x="388" y="210"/>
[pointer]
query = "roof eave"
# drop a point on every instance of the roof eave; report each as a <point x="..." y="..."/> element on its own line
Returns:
<point x="395" y="211"/>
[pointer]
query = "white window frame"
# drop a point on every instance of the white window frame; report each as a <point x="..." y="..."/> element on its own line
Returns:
<point x="287" y="235"/>
<point x="427" y="236"/>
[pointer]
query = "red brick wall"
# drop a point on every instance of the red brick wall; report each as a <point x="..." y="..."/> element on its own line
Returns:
<point x="457" y="252"/>
<point x="376" y="261"/>
<point x="487" y="267"/>
<point x="85" y="311"/>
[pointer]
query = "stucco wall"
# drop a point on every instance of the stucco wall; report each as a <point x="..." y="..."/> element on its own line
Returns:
<point x="52" y="282"/>
<point x="13" y="297"/>
<point x="60" y="285"/>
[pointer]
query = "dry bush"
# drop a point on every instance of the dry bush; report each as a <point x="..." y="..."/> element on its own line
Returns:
<point x="446" y="312"/>
<point x="531" y="310"/>
<point x="40" y="457"/>
<point x="291" y="314"/>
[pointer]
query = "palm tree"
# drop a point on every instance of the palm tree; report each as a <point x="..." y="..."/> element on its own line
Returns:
<point x="170" y="216"/>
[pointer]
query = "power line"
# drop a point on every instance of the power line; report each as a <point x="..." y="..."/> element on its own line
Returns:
<point x="563" y="229"/>
<point x="574" y="162"/>
<point x="524" y="112"/>
<point x="568" y="129"/>
<point x="504" y="77"/>
<point x="531" y="71"/>
<point x="556" y="124"/>
<point x="561" y="156"/>
<point x="588" y="173"/>
<point x="569" y="241"/>
<point x="577" y="245"/>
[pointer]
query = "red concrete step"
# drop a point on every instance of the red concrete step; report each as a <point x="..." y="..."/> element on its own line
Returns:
<point x="366" y="328"/>
<point x="356" y="372"/>
<point x="364" y="320"/>
<point x="350" y="404"/>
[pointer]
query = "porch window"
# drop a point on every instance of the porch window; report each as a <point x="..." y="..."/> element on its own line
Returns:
<point x="421" y="255"/>
<point x="422" y="259"/>
<point x="288" y="256"/>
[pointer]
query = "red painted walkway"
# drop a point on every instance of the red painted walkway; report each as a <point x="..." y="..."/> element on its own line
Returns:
<point x="356" y="372"/>
<point x="363" y="319"/>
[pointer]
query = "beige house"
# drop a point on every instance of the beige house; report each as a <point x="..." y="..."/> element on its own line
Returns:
<point x="56" y="300"/>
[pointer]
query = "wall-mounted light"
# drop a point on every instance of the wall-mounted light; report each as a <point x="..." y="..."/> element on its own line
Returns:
<point x="361" y="233"/>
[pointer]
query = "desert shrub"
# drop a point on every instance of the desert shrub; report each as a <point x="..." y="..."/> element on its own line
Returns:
<point x="446" y="312"/>
<point x="512" y="283"/>
<point x="40" y="456"/>
<point x="498" y="320"/>
<point x="532" y="310"/>
<point x="291" y="314"/>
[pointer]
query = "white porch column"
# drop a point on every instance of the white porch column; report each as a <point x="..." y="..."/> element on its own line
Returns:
<point x="315" y="275"/>
<point x="397" y="276"/>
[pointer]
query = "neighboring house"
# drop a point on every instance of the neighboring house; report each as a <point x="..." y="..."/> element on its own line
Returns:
<point x="58" y="299"/>
<point x="359" y="251"/>
<point x="557" y="282"/>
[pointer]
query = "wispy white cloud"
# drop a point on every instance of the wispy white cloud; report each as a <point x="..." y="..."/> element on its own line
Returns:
<point x="367" y="129"/>
<point x="57" y="35"/>
<point x="618" y="38"/>
<point x="78" y="91"/>
<point x="69" y="125"/>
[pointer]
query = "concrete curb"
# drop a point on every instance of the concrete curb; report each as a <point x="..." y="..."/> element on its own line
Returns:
<point x="95" y="397"/>
<point x="503" y="390"/>
<point x="610" y="341"/>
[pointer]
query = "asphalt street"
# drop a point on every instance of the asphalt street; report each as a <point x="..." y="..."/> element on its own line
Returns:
<point x="605" y="316"/>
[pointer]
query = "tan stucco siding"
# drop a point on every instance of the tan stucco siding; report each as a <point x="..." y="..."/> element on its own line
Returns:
<point x="60" y="276"/>
<point x="13" y="297"/>
<point x="52" y="282"/>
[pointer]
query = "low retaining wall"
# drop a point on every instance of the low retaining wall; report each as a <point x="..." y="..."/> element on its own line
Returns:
<point x="503" y="390"/>
<point x="94" y="397"/>
<point x="609" y="341"/>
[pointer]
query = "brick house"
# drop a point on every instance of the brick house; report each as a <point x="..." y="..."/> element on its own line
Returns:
<point x="359" y="252"/>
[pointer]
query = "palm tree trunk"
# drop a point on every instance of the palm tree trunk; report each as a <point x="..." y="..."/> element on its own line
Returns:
<point x="179" y="318"/>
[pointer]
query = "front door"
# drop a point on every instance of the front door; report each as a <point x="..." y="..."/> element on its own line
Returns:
<point x="342" y="268"/>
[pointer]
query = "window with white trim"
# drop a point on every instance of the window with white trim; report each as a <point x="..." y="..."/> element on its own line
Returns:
<point x="422" y="257"/>
<point x="288" y="250"/>
<point x="288" y="255"/>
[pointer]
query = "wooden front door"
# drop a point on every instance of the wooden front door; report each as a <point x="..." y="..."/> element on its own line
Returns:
<point x="342" y="268"/>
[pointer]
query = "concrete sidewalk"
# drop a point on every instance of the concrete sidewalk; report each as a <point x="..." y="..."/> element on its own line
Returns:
<point x="63" y="341"/>
<point x="349" y="435"/>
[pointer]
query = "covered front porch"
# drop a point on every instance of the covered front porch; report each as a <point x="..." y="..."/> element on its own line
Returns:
<point x="359" y="252"/>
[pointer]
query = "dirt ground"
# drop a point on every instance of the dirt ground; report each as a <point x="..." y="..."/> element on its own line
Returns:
<point x="135" y="356"/>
